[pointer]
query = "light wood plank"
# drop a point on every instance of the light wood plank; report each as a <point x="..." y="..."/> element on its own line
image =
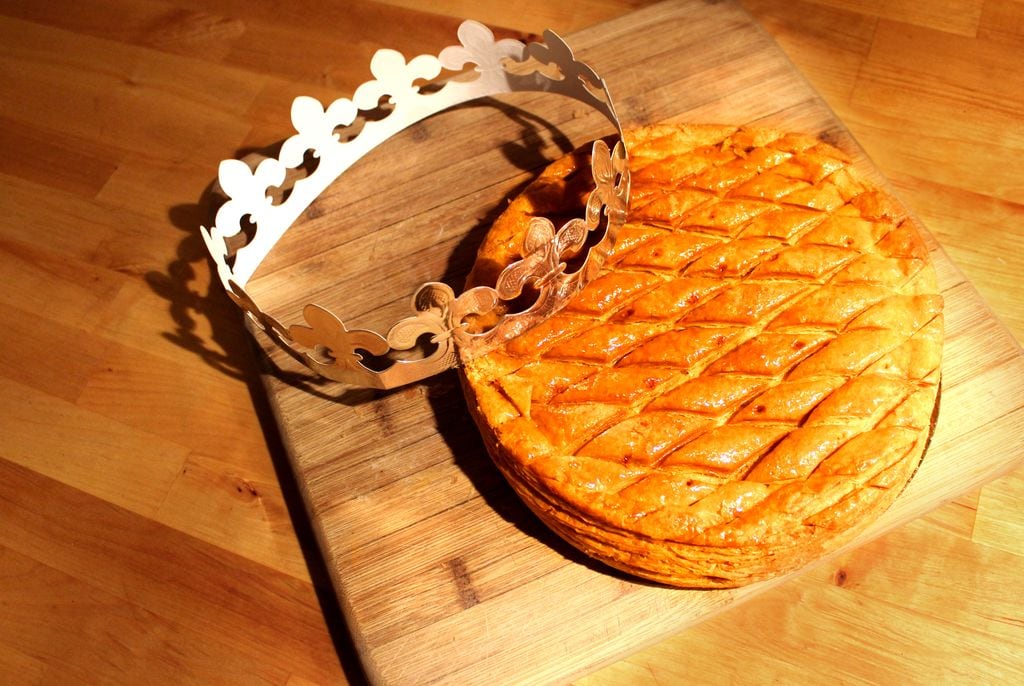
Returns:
<point x="152" y="576"/>
<point x="958" y="17"/>
<point x="991" y="527"/>
<point x="83" y="449"/>
<point x="1002" y="22"/>
<point x="152" y="101"/>
<point x="213" y="499"/>
<point x="832" y="41"/>
<point x="556" y="16"/>
<point x="71" y="626"/>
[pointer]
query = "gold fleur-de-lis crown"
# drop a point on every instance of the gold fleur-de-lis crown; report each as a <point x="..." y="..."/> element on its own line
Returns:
<point x="249" y="224"/>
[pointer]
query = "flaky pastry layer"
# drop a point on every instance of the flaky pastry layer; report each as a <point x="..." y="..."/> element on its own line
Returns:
<point x="750" y="381"/>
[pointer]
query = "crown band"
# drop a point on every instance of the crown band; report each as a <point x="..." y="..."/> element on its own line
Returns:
<point x="323" y="343"/>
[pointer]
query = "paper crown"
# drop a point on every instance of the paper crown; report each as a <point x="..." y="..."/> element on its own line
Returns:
<point x="323" y="343"/>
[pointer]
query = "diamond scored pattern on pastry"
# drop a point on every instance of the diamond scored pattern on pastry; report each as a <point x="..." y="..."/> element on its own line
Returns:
<point x="758" y="362"/>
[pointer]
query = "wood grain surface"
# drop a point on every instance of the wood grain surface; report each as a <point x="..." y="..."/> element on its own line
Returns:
<point x="151" y="528"/>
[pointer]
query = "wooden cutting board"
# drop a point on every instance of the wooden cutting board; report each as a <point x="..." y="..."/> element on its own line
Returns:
<point x="442" y="574"/>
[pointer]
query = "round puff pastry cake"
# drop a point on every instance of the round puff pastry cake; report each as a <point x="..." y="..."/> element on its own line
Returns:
<point x="750" y="381"/>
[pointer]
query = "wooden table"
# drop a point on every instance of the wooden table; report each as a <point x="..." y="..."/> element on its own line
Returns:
<point x="151" y="530"/>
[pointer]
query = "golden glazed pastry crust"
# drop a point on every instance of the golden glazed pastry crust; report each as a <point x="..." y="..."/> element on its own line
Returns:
<point x="749" y="382"/>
